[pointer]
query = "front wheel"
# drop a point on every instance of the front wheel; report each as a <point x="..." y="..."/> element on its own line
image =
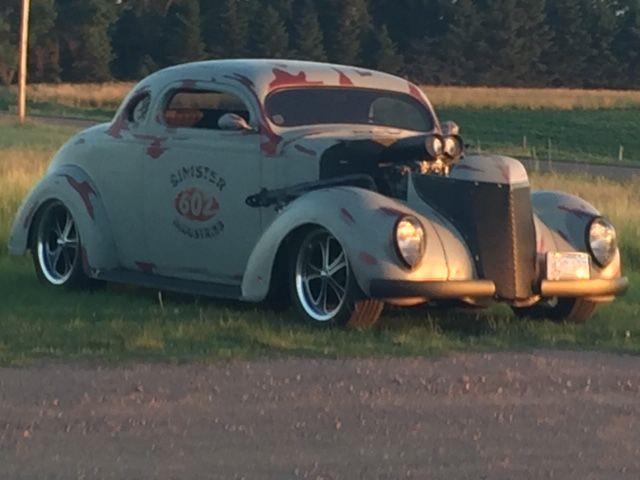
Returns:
<point x="570" y="310"/>
<point x="57" y="251"/>
<point x="322" y="286"/>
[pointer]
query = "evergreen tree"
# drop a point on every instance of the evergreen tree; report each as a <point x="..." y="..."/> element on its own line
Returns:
<point x="515" y="37"/>
<point x="308" y="40"/>
<point x="181" y="34"/>
<point x="8" y="51"/>
<point x="83" y="33"/>
<point x="225" y="27"/>
<point x="347" y="24"/>
<point x="627" y="43"/>
<point x="602" y="23"/>
<point x="381" y="52"/>
<point x="270" y="39"/>
<point x="409" y="20"/>
<point x="567" y="58"/>
<point x="451" y="56"/>
<point x="44" y="53"/>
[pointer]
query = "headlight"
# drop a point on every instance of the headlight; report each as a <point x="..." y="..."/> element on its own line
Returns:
<point x="453" y="146"/>
<point x="602" y="241"/>
<point x="434" y="145"/>
<point x="410" y="240"/>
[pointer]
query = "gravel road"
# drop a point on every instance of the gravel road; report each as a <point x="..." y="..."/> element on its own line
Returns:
<point x="564" y="415"/>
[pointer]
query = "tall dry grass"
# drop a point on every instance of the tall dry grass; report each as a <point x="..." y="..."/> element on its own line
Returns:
<point x="80" y="95"/>
<point x="531" y="98"/>
<point x="109" y="96"/>
<point x="618" y="201"/>
<point x="20" y="169"/>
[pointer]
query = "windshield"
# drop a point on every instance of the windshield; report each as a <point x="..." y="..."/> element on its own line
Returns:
<point x="312" y="106"/>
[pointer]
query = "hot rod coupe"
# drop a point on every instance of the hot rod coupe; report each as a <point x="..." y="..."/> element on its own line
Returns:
<point x="338" y="185"/>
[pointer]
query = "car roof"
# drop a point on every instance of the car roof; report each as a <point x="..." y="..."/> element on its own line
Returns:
<point x="266" y="75"/>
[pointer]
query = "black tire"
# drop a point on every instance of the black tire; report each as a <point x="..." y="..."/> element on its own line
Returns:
<point x="56" y="248"/>
<point x="326" y="271"/>
<point x="570" y="310"/>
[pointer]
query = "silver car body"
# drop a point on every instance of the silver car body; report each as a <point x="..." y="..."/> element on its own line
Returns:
<point x="124" y="182"/>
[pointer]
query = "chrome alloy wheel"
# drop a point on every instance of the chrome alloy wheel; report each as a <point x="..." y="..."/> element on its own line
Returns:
<point x="58" y="245"/>
<point x="321" y="276"/>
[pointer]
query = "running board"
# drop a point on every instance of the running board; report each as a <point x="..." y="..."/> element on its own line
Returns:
<point x="192" y="287"/>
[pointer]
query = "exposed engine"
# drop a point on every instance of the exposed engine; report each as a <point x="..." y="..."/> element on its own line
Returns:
<point x="389" y="165"/>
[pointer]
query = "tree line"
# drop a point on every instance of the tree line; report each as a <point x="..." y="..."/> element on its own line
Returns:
<point x="569" y="43"/>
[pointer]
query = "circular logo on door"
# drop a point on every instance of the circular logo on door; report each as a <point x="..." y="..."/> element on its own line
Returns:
<point x="194" y="204"/>
<point x="196" y="201"/>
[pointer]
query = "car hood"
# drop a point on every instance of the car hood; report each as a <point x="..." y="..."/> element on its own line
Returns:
<point x="316" y="140"/>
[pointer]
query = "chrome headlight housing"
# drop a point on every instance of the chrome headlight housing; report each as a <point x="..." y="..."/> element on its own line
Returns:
<point x="453" y="147"/>
<point x="602" y="241"/>
<point x="434" y="145"/>
<point x="410" y="240"/>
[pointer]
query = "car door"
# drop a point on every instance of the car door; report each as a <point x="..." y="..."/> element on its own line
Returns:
<point x="119" y="180"/>
<point x="198" y="224"/>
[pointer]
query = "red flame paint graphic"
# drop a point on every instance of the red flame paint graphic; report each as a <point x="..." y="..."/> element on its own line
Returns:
<point x="286" y="79"/>
<point x="85" y="191"/>
<point x="194" y="204"/>
<point x="345" y="81"/>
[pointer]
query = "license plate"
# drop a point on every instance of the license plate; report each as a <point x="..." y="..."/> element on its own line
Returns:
<point x="568" y="266"/>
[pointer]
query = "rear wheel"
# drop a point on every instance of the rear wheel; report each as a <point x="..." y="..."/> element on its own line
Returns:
<point x="322" y="286"/>
<point x="570" y="310"/>
<point x="57" y="250"/>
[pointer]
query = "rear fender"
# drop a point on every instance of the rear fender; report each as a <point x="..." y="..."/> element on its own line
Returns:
<point x="364" y="223"/>
<point x="70" y="185"/>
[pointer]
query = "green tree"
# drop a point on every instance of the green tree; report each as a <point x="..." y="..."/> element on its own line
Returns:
<point x="452" y="55"/>
<point x="44" y="53"/>
<point x="515" y="38"/>
<point x="308" y="40"/>
<point x="83" y="34"/>
<point x="181" y="40"/>
<point x="346" y="24"/>
<point x="136" y="39"/>
<point x="602" y="23"/>
<point x="626" y="45"/>
<point x="8" y="52"/>
<point x="270" y="36"/>
<point x="225" y="27"/>
<point x="381" y="52"/>
<point x="567" y="59"/>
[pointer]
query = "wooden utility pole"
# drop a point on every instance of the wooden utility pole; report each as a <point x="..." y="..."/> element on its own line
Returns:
<point x="22" y="71"/>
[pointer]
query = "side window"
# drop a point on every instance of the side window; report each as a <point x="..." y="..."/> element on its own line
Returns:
<point x="201" y="108"/>
<point x="138" y="108"/>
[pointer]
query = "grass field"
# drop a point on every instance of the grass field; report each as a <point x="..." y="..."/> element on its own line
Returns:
<point x="578" y="125"/>
<point x="118" y="323"/>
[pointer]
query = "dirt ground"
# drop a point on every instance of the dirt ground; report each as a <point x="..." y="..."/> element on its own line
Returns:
<point x="541" y="415"/>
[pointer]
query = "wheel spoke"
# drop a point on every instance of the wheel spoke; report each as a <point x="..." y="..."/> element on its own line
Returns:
<point x="338" y="264"/>
<point x="68" y="225"/>
<point x="336" y="287"/>
<point x="67" y="260"/>
<point x="324" y="293"/>
<point x="55" y="258"/>
<point x="327" y="256"/>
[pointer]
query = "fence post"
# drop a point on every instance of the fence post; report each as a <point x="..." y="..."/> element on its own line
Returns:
<point x="22" y="73"/>
<point x="621" y="153"/>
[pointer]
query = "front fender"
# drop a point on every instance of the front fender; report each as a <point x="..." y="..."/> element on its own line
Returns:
<point x="561" y="225"/>
<point x="364" y="223"/>
<point x="72" y="186"/>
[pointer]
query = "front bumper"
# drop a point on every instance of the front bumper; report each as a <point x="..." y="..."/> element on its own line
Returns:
<point x="477" y="289"/>
<point x="584" y="288"/>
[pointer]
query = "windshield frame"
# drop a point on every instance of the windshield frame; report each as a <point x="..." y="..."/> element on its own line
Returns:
<point x="423" y="106"/>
